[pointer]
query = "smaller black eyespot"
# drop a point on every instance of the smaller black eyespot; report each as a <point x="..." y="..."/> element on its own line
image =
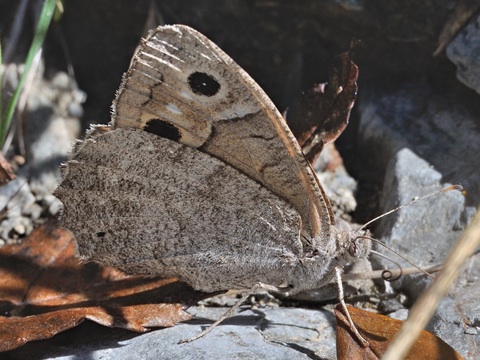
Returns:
<point x="203" y="84"/>
<point x="100" y="234"/>
<point x="163" y="129"/>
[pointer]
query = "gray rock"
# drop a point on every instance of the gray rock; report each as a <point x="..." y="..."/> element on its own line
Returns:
<point x="464" y="51"/>
<point x="467" y="299"/>
<point x="50" y="134"/>
<point x="15" y="197"/>
<point x="450" y="324"/>
<point x="388" y="306"/>
<point x="424" y="141"/>
<point x="399" y="314"/>
<point x="52" y="204"/>
<point x="337" y="183"/>
<point x="262" y="334"/>
<point x="425" y="231"/>
<point x="50" y="131"/>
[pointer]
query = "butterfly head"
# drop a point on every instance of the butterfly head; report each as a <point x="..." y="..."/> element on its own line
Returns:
<point x="351" y="246"/>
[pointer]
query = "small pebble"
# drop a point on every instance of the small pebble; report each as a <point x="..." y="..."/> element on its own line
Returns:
<point x="20" y="229"/>
<point x="401" y="314"/>
<point x="472" y="331"/>
<point x="389" y="305"/>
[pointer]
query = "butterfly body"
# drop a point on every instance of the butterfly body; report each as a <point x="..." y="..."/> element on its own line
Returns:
<point x="199" y="177"/>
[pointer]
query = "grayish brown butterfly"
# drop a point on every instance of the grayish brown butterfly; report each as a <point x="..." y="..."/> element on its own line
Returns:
<point x="199" y="177"/>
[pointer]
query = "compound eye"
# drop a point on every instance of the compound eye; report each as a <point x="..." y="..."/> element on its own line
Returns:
<point x="353" y="249"/>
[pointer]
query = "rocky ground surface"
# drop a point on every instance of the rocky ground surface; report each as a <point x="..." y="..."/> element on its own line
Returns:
<point x="414" y="130"/>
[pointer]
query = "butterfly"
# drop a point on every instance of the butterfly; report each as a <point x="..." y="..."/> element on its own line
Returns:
<point x="198" y="176"/>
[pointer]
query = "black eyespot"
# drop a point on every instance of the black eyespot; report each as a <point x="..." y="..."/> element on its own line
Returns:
<point x="203" y="84"/>
<point x="163" y="129"/>
<point x="100" y="234"/>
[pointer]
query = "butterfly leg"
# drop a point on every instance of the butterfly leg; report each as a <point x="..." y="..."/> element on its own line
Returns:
<point x="338" y="280"/>
<point x="227" y="314"/>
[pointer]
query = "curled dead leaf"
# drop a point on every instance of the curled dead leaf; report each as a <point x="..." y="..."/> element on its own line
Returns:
<point x="379" y="330"/>
<point x="323" y="112"/>
<point x="6" y="172"/>
<point x="45" y="289"/>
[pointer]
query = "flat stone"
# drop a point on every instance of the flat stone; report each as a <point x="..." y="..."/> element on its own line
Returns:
<point x="262" y="334"/>
<point x="464" y="52"/>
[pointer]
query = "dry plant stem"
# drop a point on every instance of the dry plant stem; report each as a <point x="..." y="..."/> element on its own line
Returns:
<point x="424" y="308"/>
<point x="338" y="279"/>
<point x="227" y="314"/>
<point x="377" y="274"/>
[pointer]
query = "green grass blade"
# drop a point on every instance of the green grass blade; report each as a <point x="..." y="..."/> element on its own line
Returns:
<point x="42" y="27"/>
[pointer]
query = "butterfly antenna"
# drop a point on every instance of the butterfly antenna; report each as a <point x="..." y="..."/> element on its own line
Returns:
<point x="385" y="275"/>
<point x="449" y="188"/>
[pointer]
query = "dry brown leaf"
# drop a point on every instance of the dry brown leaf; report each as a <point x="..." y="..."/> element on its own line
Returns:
<point x="44" y="290"/>
<point x="6" y="172"/>
<point x="379" y="330"/>
<point x="323" y="112"/>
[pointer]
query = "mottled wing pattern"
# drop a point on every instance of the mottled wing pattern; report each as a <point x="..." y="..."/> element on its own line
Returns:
<point x="183" y="87"/>
<point x="148" y="205"/>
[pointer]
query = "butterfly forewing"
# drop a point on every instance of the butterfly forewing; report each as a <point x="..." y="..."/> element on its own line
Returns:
<point x="183" y="87"/>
